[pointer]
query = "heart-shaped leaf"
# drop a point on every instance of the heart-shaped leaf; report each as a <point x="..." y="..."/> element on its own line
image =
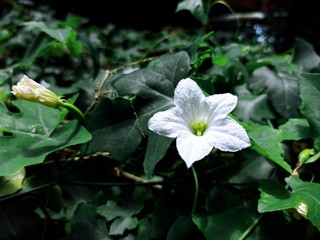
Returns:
<point x="281" y="88"/>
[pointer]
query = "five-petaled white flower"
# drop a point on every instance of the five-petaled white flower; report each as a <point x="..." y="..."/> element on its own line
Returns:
<point x="200" y="123"/>
<point x="30" y="90"/>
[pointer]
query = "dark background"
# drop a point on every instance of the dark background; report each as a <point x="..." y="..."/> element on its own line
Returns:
<point x="287" y="19"/>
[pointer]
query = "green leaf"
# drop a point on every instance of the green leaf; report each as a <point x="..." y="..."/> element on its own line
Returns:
<point x="295" y="129"/>
<point x="11" y="183"/>
<point x="107" y="139"/>
<point x="156" y="149"/>
<point x="119" y="225"/>
<point x="252" y="107"/>
<point x="305" y="55"/>
<point x="229" y="224"/>
<point x="32" y="134"/>
<point x="198" y="8"/>
<point x="35" y="50"/>
<point x="65" y="38"/>
<point x="267" y="142"/>
<point x="182" y="228"/>
<point x="275" y="197"/>
<point x="310" y="107"/>
<point x="281" y="88"/>
<point x="220" y="60"/>
<point x="112" y="210"/>
<point x="61" y="35"/>
<point x="122" y="216"/>
<point x="86" y="224"/>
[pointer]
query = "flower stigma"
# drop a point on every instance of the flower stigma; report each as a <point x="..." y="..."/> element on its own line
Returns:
<point x="199" y="128"/>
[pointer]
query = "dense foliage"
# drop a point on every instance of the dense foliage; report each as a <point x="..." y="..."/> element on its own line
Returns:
<point x="113" y="178"/>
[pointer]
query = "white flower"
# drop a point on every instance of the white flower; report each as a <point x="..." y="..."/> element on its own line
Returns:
<point x="30" y="90"/>
<point x="200" y="123"/>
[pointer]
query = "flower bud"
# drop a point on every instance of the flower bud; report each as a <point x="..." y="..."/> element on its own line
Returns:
<point x="28" y="89"/>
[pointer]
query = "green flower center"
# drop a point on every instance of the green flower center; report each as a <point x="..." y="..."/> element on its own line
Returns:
<point x="198" y="128"/>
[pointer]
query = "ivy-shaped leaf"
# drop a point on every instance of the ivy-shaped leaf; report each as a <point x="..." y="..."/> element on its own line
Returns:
<point x="151" y="89"/>
<point x="121" y="216"/>
<point x="251" y="107"/>
<point x="27" y="137"/>
<point x="154" y="86"/>
<point x="304" y="197"/>
<point x="281" y="88"/>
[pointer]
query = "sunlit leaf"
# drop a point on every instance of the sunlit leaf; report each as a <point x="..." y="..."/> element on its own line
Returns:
<point x="267" y="142"/>
<point x="11" y="183"/>
<point x="32" y="134"/>
<point x="275" y="197"/>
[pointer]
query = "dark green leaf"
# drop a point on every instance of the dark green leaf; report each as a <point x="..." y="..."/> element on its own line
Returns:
<point x="305" y="55"/>
<point x="228" y="224"/>
<point x="156" y="149"/>
<point x="87" y="225"/>
<point x="281" y="88"/>
<point x="183" y="228"/>
<point x="112" y="210"/>
<point x="252" y="107"/>
<point x="310" y="107"/>
<point x="295" y="129"/>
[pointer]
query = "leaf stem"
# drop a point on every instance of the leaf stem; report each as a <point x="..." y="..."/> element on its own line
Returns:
<point x="75" y="111"/>
<point x="196" y="191"/>
<point x="251" y="227"/>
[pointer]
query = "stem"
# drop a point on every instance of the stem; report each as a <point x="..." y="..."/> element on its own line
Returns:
<point x="75" y="111"/>
<point x="196" y="191"/>
<point x="251" y="227"/>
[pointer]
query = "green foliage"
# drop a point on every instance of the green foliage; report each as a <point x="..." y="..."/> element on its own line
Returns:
<point x="111" y="177"/>
<point x="29" y="136"/>
<point x="275" y="197"/>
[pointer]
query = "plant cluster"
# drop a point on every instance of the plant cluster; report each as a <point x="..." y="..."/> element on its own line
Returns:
<point x="122" y="134"/>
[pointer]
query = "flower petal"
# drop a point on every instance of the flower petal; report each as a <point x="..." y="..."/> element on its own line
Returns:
<point x="227" y="135"/>
<point x="168" y="123"/>
<point x="189" y="97"/>
<point x="220" y="105"/>
<point x="193" y="148"/>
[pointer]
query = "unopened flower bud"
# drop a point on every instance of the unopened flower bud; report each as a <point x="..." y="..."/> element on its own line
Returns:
<point x="28" y="89"/>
